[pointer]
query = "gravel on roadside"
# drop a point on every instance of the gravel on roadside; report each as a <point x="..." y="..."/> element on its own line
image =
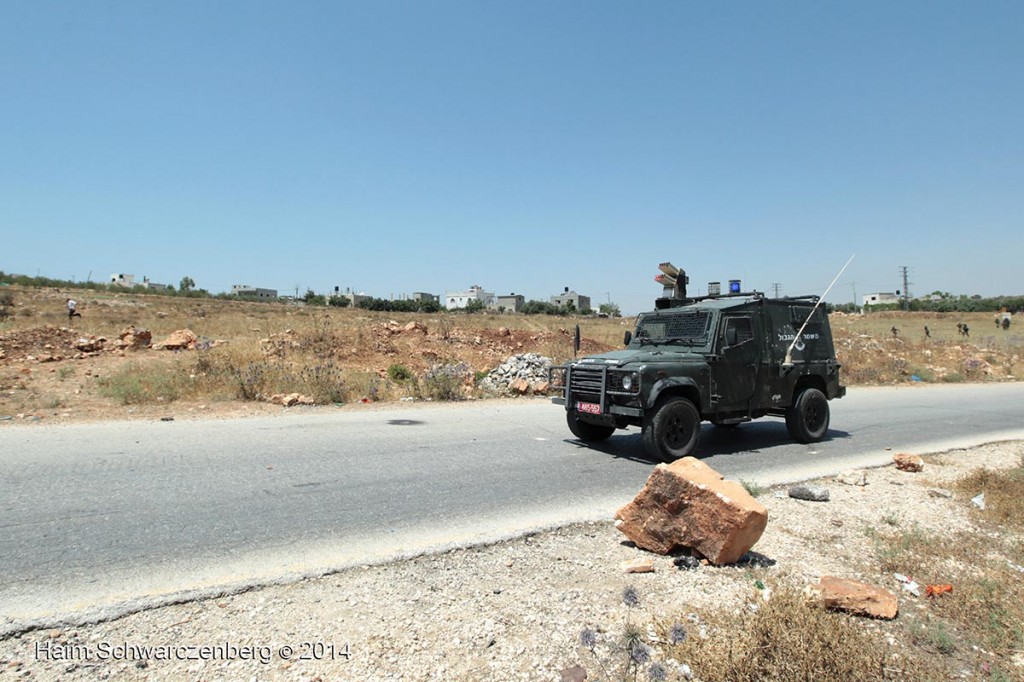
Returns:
<point x="509" y="611"/>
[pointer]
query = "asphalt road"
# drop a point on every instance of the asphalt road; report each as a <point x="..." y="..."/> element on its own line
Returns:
<point x="101" y="519"/>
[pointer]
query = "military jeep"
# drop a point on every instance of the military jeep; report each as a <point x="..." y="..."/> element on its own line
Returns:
<point x="725" y="359"/>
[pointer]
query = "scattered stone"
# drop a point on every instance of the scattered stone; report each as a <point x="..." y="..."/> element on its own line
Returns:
<point x="134" y="339"/>
<point x="166" y="419"/>
<point x="290" y="399"/>
<point x="689" y="504"/>
<point x="911" y="463"/>
<point x="979" y="500"/>
<point x="686" y="562"/>
<point x="811" y="493"/>
<point x="182" y="339"/>
<point x="641" y="565"/>
<point x="519" y="375"/>
<point x="415" y="327"/>
<point x="854" y="597"/>
<point x="856" y="477"/>
<point x="90" y="344"/>
<point x="940" y="492"/>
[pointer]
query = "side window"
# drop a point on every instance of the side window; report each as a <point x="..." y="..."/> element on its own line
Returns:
<point x="738" y="330"/>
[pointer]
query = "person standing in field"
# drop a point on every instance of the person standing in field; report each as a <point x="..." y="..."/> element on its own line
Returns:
<point x="72" y="312"/>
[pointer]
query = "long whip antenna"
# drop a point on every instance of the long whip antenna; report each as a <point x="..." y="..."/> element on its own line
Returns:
<point x="788" y="362"/>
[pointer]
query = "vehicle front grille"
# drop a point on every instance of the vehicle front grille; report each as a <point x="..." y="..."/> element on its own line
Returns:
<point x="589" y="380"/>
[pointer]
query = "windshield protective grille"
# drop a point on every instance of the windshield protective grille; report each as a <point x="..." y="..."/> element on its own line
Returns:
<point x="687" y="327"/>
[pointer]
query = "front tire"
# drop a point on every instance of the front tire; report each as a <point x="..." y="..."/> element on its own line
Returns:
<point x="807" y="419"/>
<point x="673" y="431"/>
<point x="585" y="431"/>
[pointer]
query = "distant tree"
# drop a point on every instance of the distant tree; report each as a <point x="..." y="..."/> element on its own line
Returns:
<point x="338" y="301"/>
<point x="474" y="306"/>
<point x="609" y="309"/>
<point x="186" y="283"/>
<point x="313" y="298"/>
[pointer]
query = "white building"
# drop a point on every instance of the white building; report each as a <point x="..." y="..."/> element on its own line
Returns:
<point x="881" y="299"/>
<point x="455" y="300"/>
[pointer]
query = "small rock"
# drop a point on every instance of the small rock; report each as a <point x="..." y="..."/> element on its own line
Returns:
<point x="857" y="477"/>
<point x="979" y="500"/>
<point x="854" y="597"/>
<point x="940" y="492"/>
<point x="641" y="565"/>
<point x="811" y="493"/>
<point x="906" y="462"/>
<point x="166" y="419"/>
<point x="687" y="563"/>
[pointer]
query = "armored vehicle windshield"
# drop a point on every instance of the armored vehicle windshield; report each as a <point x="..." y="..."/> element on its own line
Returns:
<point x="690" y="328"/>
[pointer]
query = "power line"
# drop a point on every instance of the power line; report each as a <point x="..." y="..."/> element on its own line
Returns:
<point x="775" y="289"/>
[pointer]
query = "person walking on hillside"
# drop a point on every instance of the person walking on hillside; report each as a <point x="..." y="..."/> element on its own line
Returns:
<point x="72" y="312"/>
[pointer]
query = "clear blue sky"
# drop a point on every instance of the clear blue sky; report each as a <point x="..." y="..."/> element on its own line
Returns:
<point x="395" y="147"/>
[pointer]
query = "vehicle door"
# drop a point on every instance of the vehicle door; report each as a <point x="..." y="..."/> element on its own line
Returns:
<point x="735" y="373"/>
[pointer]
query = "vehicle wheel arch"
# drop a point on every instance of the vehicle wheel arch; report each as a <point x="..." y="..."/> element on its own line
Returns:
<point x="666" y="389"/>
<point x="808" y="381"/>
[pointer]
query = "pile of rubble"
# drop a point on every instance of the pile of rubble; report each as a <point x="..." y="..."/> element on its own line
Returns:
<point x="38" y="342"/>
<point x="519" y="375"/>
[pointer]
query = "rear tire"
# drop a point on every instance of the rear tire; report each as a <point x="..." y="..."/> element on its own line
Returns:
<point x="673" y="431"/>
<point x="807" y="419"/>
<point x="585" y="431"/>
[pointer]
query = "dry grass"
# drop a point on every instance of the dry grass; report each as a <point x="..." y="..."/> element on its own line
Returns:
<point x="341" y="355"/>
<point x="788" y="639"/>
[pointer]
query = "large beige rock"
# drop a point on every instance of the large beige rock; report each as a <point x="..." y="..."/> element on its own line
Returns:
<point x="183" y="339"/>
<point x="854" y="597"/>
<point x="688" y="504"/>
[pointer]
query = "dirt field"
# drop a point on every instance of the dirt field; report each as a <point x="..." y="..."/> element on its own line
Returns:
<point x="243" y="353"/>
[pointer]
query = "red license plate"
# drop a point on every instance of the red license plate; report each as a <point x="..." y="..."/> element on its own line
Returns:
<point x="589" y="408"/>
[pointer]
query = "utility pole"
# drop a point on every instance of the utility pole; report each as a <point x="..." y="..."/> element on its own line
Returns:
<point x="854" y="286"/>
<point x="906" y="287"/>
<point x="775" y="288"/>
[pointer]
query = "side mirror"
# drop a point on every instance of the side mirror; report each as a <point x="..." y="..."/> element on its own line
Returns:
<point x="627" y="337"/>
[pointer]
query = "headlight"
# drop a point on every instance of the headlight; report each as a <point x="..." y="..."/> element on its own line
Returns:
<point x="627" y="382"/>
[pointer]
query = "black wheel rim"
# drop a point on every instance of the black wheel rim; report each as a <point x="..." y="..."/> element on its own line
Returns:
<point x="813" y="415"/>
<point x="676" y="433"/>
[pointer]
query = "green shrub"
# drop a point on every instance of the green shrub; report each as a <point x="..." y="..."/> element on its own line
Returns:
<point x="400" y="373"/>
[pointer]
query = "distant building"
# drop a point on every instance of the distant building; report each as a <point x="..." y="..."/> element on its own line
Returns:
<point x="354" y="299"/>
<point x="454" y="300"/>
<point x="578" y="300"/>
<point x="512" y="303"/>
<point x="128" y="282"/>
<point x="422" y="296"/>
<point x="881" y="299"/>
<point x="153" y="285"/>
<point x="246" y="291"/>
